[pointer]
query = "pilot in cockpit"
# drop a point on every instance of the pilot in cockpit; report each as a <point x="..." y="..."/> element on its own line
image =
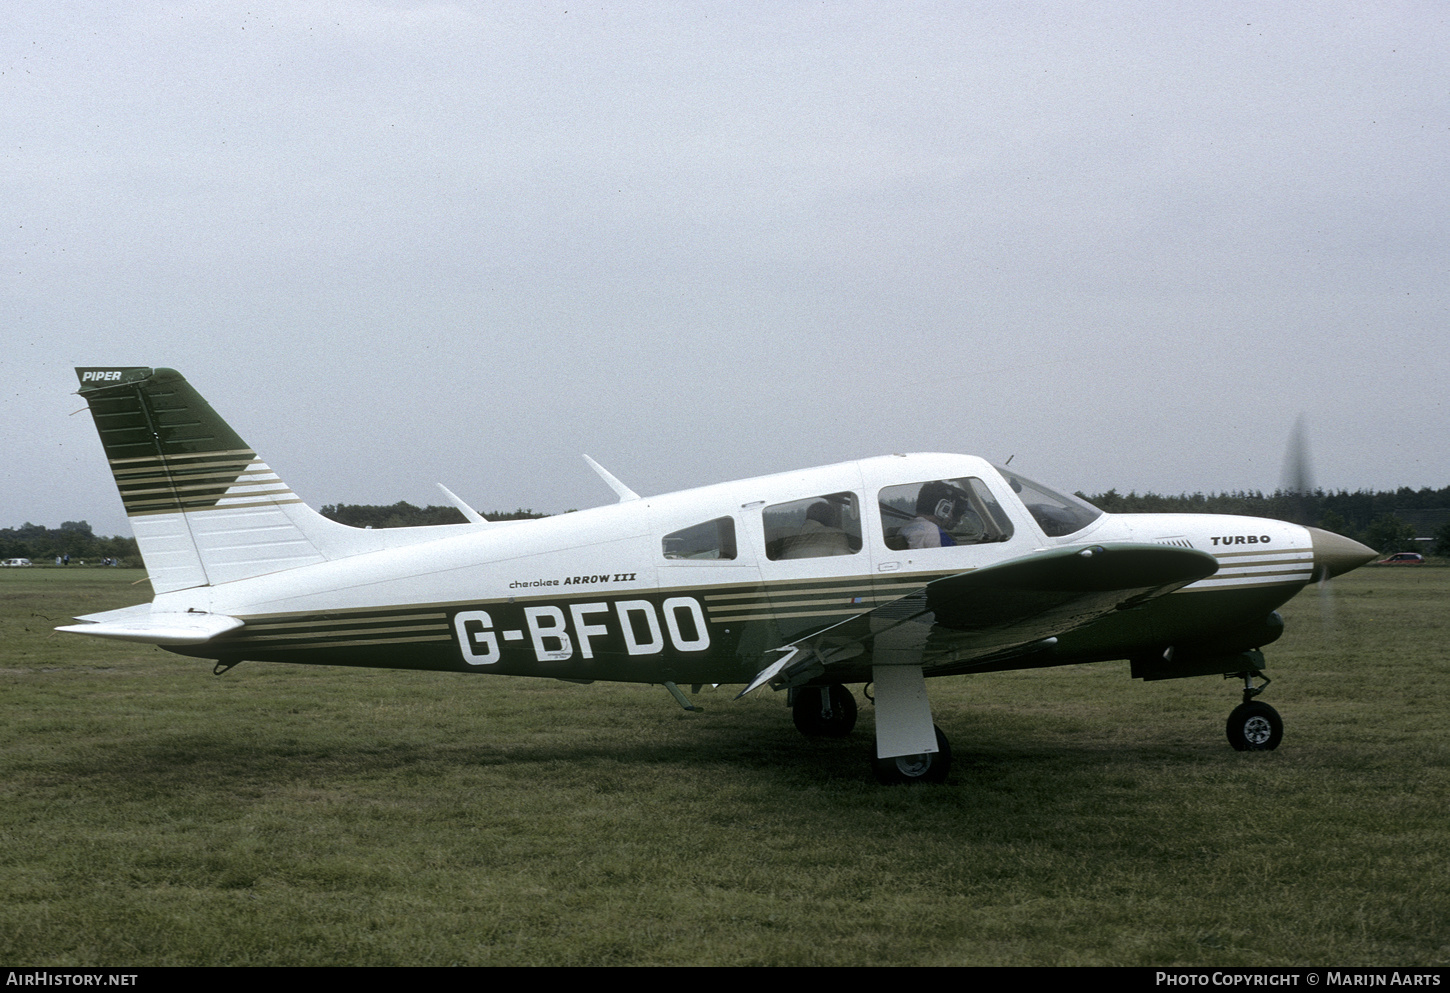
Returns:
<point x="939" y="506"/>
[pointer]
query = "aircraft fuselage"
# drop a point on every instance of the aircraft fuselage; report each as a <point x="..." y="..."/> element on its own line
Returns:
<point x="601" y="594"/>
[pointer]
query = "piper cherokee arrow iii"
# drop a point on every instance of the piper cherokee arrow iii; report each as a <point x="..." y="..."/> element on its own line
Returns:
<point x="883" y="571"/>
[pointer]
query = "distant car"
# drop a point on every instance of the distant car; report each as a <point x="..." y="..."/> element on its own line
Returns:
<point x="1403" y="558"/>
<point x="14" y="563"/>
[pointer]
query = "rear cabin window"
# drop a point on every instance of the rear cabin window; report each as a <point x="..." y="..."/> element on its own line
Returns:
<point x="940" y="513"/>
<point x="814" y="527"/>
<point x="711" y="540"/>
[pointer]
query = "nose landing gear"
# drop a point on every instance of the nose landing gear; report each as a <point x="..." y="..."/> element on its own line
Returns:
<point x="1254" y="726"/>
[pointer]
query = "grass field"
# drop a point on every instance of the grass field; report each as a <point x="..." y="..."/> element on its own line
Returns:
<point x="154" y="814"/>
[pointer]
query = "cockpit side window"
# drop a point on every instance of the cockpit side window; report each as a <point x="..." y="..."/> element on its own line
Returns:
<point x="939" y="513"/>
<point x="814" y="527"/>
<point x="710" y="540"/>
<point x="1058" y="514"/>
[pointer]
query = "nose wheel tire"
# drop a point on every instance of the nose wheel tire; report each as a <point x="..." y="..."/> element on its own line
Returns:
<point x="929" y="767"/>
<point x="1254" y="727"/>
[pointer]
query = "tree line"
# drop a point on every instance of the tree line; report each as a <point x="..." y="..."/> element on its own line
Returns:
<point x="80" y="543"/>
<point x="73" y="538"/>
<point x="404" y="515"/>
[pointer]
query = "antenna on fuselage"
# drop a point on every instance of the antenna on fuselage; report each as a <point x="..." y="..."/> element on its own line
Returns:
<point x="474" y="517"/>
<point x="625" y="493"/>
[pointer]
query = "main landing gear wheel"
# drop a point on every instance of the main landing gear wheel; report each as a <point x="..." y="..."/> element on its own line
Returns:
<point x="1254" y="727"/>
<point x="929" y="767"/>
<point x="824" y="711"/>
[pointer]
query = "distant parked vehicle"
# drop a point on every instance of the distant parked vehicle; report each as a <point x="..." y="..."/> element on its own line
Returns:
<point x="15" y="563"/>
<point x="1403" y="558"/>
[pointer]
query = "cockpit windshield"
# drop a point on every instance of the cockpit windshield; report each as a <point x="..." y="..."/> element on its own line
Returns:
<point x="1058" y="514"/>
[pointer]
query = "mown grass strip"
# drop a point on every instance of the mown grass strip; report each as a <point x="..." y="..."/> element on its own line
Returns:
<point x="155" y="814"/>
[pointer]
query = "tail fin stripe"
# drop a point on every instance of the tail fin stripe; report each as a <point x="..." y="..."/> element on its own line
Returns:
<point x="261" y="501"/>
<point x="158" y="486"/>
<point x="203" y="480"/>
<point x="174" y="456"/>
<point x="219" y="487"/>
<point x="135" y="477"/>
<point x="202" y="475"/>
<point x="191" y="507"/>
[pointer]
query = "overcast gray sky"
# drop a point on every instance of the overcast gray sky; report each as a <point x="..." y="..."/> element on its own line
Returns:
<point x="395" y="243"/>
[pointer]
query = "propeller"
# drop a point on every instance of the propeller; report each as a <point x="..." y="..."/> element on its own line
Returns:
<point x="1333" y="553"/>
<point x="1297" y="478"/>
<point x="1298" y="484"/>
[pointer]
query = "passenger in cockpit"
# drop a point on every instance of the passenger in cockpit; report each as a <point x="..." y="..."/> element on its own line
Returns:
<point x="820" y="535"/>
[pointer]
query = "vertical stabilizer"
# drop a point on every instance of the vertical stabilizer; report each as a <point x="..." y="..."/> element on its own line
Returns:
<point x="204" y="507"/>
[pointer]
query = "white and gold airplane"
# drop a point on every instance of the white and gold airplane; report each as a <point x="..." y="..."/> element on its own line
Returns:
<point x="881" y="572"/>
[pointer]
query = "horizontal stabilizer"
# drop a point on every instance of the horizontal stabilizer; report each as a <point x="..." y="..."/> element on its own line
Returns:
<point x="155" y="627"/>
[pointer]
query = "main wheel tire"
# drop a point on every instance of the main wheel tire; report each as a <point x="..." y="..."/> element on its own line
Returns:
<point x="929" y="767"/>
<point x="824" y="711"/>
<point x="1254" y="727"/>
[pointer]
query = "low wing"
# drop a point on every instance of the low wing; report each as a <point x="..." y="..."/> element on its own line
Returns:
<point x="141" y="623"/>
<point x="1009" y="608"/>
